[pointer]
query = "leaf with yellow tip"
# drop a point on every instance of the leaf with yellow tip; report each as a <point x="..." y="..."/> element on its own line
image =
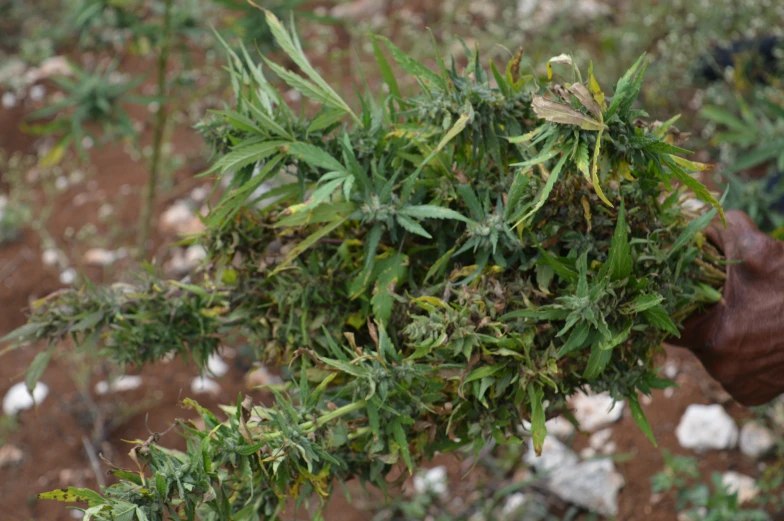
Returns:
<point x="561" y="58"/>
<point x="626" y="173"/>
<point x="594" y="87"/>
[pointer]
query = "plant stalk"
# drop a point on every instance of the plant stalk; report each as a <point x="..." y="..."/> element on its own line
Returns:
<point x="148" y="201"/>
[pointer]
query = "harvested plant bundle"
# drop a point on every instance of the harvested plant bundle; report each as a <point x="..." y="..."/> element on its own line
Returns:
<point x="441" y="267"/>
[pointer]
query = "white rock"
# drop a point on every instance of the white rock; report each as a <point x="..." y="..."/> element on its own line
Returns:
<point x="745" y="486"/>
<point x="18" y="398"/>
<point x="120" y="384"/>
<point x="513" y="505"/>
<point x="261" y="377"/>
<point x="51" y="257"/>
<point x="591" y="484"/>
<point x="776" y="411"/>
<point x="595" y="410"/>
<point x="180" y="218"/>
<point x="555" y="455"/>
<point x="600" y="439"/>
<point x="432" y="480"/>
<point x="10" y="455"/>
<point x="670" y="370"/>
<point x="755" y="440"/>
<point x="99" y="257"/>
<point x="68" y="276"/>
<point x="705" y="427"/>
<point x="204" y="385"/>
<point x="195" y="255"/>
<point x="61" y="183"/>
<point x="199" y="194"/>
<point x="216" y="365"/>
<point x="559" y="427"/>
<point x="8" y="100"/>
<point x="37" y="92"/>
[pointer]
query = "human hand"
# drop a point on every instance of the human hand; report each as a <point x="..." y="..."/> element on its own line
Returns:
<point x="740" y="341"/>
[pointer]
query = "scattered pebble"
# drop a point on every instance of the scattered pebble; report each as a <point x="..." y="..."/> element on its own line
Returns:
<point x="37" y="92"/>
<point x="705" y="427"/>
<point x="513" y="506"/>
<point x="8" y="100"/>
<point x="181" y="219"/>
<point x="595" y="411"/>
<point x="204" y="385"/>
<point x="261" y="377"/>
<point x="199" y="194"/>
<point x="61" y="183"/>
<point x="10" y="455"/>
<point x="216" y="365"/>
<point x="560" y="427"/>
<point x="745" y="486"/>
<point x="555" y="455"/>
<point x="18" y="398"/>
<point x="68" y="276"/>
<point x="119" y="385"/>
<point x="591" y="484"/>
<point x="756" y="440"/>
<point x="195" y="255"/>
<point x="670" y="370"/>
<point x="51" y="257"/>
<point x="432" y="481"/>
<point x="99" y="257"/>
<point x="602" y="443"/>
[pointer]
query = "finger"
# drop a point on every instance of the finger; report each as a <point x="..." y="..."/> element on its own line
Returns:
<point x="739" y="224"/>
<point x="699" y="330"/>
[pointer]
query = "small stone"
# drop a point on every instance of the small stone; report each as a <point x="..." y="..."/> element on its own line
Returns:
<point x="216" y="365"/>
<point x="195" y="255"/>
<point x="587" y="453"/>
<point x="18" y="398"/>
<point x="261" y="377"/>
<point x="600" y="439"/>
<point x="181" y="219"/>
<point x="8" y="100"/>
<point x="705" y="427"/>
<point x="61" y="183"/>
<point x="591" y="484"/>
<point x="199" y="194"/>
<point x="670" y="370"/>
<point x="744" y="486"/>
<point x="10" y="455"/>
<point x="555" y="455"/>
<point x="204" y="385"/>
<point x="99" y="257"/>
<point x="595" y="410"/>
<point x="432" y="481"/>
<point x="513" y="505"/>
<point x="37" y="92"/>
<point x="669" y="392"/>
<point x="755" y="440"/>
<point x="68" y="276"/>
<point x="559" y="427"/>
<point x="51" y="257"/>
<point x="118" y="385"/>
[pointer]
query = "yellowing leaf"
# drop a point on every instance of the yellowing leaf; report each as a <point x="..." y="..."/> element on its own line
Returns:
<point x="586" y="211"/>
<point x="691" y="166"/>
<point x="73" y="495"/>
<point x="594" y="87"/>
<point x="626" y="173"/>
<point x="562" y="113"/>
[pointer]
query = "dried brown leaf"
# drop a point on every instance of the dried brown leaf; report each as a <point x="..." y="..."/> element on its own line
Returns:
<point x="562" y="113"/>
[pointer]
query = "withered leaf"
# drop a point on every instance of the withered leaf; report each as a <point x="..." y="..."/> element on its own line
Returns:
<point x="562" y="113"/>
<point x="582" y="93"/>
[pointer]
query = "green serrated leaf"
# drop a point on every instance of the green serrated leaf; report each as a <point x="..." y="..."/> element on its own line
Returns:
<point x="639" y="417"/>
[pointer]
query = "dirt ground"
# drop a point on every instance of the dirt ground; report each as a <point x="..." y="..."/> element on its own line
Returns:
<point x="52" y="437"/>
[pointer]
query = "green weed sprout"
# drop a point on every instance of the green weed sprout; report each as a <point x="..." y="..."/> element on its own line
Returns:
<point x="443" y="266"/>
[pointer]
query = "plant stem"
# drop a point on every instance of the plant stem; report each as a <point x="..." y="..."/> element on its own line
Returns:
<point x="148" y="201"/>
<point x="310" y="426"/>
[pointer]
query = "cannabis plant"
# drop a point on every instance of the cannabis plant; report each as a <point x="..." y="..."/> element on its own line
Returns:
<point x="443" y="266"/>
<point x="90" y="99"/>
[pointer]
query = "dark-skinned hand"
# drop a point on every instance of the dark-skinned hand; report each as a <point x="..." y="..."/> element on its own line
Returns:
<point x="740" y="341"/>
